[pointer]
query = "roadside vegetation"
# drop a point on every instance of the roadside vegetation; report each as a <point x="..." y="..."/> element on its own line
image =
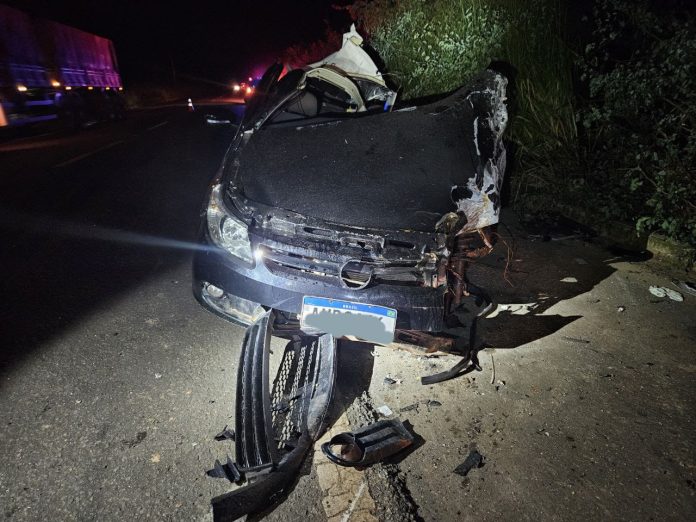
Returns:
<point x="605" y="102"/>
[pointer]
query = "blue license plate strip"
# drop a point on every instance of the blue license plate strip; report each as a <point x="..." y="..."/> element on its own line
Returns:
<point x="365" y="321"/>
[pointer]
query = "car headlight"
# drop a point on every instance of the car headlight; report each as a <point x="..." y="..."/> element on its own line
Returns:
<point x="226" y="230"/>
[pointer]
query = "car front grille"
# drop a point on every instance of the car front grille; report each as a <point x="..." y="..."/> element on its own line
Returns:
<point x="288" y="264"/>
<point x="332" y="270"/>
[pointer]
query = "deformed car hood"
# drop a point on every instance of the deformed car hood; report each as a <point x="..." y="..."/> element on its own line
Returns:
<point x="398" y="170"/>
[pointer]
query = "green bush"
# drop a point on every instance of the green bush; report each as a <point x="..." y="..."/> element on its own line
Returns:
<point x="434" y="46"/>
<point x="640" y="69"/>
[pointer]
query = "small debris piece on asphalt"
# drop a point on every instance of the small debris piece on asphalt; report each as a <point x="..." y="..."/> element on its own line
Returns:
<point x="620" y="308"/>
<point x="673" y="295"/>
<point x="158" y="376"/>
<point x="657" y="291"/>
<point x="580" y="261"/>
<point x="227" y="471"/>
<point x="410" y="407"/>
<point x="388" y="380"/>
<point x="385" y="411"/>
<point x="132" y="443"/>
<point x="474" y="460"/>
<point x="575" y="340"/>
<point x="569" y="280"/>
<point x="661" y="291"/>
<point x="226" y="434"/>
<point x="430" y="404"/>
<point x="687" y="286"/>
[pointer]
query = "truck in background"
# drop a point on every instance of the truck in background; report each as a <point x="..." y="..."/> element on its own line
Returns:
<point x="51" y="71"/>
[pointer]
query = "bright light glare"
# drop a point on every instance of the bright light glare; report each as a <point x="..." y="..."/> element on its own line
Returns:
<point x="55" y="83"/>
<point x="68" y="88"/>
<point x="249" y="89"/>
<point x="236" y="88"/>
<point x="22" y="88"/>
<point x="74" y="229"/>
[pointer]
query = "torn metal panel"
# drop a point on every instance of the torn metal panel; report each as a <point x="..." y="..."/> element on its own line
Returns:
<point x="479" y="199"/>
<point x="352" y="59"/>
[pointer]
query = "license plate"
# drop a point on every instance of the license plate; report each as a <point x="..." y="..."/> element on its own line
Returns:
<point x="371" y="323"/>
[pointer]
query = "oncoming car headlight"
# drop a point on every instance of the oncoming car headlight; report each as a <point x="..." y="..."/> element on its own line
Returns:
<point x="226" y="230"/>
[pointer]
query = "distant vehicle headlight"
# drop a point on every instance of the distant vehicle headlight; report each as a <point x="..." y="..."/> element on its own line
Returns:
<point x="227" y="231"/>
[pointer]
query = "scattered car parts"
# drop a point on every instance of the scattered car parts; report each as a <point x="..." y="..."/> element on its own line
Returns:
<point x="473" y="460"/>
<point x="275" y="427"/>
<point x="225" y="434"/>
<point x="369" y="444"/>
<point x="228" y="470"/>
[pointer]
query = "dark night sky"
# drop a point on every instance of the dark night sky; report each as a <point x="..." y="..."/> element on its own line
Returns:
<point x="211" y="39"/>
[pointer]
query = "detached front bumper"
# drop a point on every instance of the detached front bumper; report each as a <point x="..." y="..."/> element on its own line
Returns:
<point x="418" y="308"/>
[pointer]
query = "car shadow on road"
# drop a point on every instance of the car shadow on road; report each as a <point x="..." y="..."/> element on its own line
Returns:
<point x="530" y="277"/>
<point x="354" y="373"/>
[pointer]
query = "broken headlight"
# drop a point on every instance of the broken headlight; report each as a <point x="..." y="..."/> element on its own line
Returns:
<point x="226" y="230"/>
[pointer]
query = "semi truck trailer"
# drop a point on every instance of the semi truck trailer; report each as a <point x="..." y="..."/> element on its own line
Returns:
<point x="51" y="71"/>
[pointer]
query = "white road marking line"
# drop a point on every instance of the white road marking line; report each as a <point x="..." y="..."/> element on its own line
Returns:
<point x="347" y="514"/>
<point x="156" y="126"/>
<point x="345" y="493"/>
<point x="87" y="154"/>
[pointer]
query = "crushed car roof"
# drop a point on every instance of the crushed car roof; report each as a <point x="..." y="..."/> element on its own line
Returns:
<point x="352" y="59"/>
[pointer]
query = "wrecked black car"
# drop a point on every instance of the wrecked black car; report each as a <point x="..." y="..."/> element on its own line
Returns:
<point x="328" y="194"/>
<point x="334" y="215"/>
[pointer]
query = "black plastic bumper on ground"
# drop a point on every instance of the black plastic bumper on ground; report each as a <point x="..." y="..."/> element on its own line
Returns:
<point x="418" y="308"/>
<point x="275" y="428"/>
<point x="256" y="448"/>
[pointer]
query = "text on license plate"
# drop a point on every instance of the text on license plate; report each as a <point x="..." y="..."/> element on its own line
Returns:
<point x="340" y="318"/>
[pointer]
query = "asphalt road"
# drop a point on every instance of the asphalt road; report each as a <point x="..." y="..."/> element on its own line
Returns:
<point x="114" y="381"/>
<point x="112" y="374"/>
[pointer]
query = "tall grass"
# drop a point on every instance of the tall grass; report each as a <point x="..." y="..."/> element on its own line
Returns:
<point x="543" y="128"/>
<point x="432" y="46"/>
